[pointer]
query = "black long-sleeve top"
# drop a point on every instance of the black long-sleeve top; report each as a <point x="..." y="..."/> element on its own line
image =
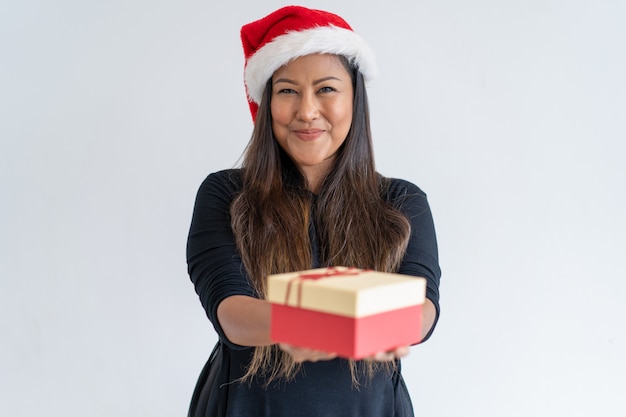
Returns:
<point x="322" y="388"/>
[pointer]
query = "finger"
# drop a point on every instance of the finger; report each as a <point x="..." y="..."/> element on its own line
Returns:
<point x="402" y="351"/>
<point x="384" y="356"/>
<point x="391" y="355"/>
<point x="316" y="355"/>
<point x="303" y="354"/>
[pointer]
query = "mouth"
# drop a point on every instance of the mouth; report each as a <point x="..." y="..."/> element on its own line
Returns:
<point x="308" y="134"/>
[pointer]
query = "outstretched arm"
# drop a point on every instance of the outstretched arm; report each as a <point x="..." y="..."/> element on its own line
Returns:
<point x="245" y="320"/>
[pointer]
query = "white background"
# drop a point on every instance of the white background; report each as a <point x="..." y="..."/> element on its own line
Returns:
<point x="509" y="114"/>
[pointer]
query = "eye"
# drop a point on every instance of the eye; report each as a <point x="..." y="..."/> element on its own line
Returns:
<point x="286" y="91"/>
<point x="326" y="89"/>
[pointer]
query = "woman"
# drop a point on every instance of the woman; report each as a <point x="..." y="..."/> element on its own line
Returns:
<point x="307" y="196"/>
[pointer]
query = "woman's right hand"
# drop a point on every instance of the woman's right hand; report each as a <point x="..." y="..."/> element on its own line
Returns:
<point x="303" y="354"/>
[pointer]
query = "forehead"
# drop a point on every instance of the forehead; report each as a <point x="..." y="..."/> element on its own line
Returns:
<point x="313" y="64"/>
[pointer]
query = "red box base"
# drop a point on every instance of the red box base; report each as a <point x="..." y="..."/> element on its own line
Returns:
<point x="354" y="338"/>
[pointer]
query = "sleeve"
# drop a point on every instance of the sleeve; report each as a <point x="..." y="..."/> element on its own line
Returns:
<point x="213" y="262"/>
<point x="421" y="258"/>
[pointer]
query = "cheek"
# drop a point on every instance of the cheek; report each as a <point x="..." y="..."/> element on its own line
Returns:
<point x="344" y="116"/>
<point x="280" y="112"/>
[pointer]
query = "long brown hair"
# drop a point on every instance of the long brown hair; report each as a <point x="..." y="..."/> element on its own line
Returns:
<point x="271" y="216"/>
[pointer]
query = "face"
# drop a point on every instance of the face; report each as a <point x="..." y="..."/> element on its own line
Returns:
<point x="311" y="110"/>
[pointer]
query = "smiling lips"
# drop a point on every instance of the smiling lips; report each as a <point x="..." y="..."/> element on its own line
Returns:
<point x="308" y="134"/>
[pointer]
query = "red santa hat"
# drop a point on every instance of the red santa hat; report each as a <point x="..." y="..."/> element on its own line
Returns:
<point x="292" y="32"/>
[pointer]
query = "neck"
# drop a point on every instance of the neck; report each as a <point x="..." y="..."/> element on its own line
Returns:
<point x="315" y="174"/>
<point x="314" y="177"/>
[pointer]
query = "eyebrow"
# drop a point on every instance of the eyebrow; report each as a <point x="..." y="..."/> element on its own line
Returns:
<point x="321" y="80"/>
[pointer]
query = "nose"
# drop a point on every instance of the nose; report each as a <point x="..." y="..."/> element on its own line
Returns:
<point x="308" y="108"/>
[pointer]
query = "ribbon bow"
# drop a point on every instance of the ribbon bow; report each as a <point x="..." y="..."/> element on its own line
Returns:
<point x="329" y="272"/>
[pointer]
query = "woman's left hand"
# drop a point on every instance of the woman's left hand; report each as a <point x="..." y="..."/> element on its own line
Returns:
<point x="397" y="353"/>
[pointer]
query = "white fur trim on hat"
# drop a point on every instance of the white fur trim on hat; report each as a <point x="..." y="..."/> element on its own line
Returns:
<point x="322" y="40"/>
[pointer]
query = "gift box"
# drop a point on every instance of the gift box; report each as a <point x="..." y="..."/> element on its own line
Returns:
<point x="352" y="312"/>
